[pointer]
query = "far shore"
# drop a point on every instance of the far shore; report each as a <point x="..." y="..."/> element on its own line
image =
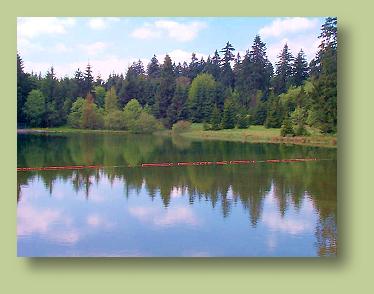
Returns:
<point x="254" y="134"/>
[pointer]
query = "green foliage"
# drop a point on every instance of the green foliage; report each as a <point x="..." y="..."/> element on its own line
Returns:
<point x="300" y="69"/>
<point x="111" y="100"/>
<point x="206" y="126"/>
<point x="243" y="119"/>
<point x="181" y="126"/>
<point x="201" y="96"/>
<point x="137" y="120"/>
<point x="75" y="116"/>
<point x="215" y="119"/>
<point x="298" y="118"/>
<point x="146" y="123"/>
<point x="283" y="73"/>
<point x="178" y="109"/>
<point x="274" y="115"/>
<point x="287" y="129"/>
<point x="91" y="118"/>
<point x="323" y="112"/>
<point x="166" y="88"/>
<point x="35" y="107"/>
<point x="114" y="120"/>
<point x="131" y="113"/>
<point x="100" y="94"/>
<point x="228" y="118"/>
<point x="260" y="113"/>
<point x="215" y="94"/>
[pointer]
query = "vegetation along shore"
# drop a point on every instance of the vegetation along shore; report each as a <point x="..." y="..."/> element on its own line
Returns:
<point x="227" y="96"/>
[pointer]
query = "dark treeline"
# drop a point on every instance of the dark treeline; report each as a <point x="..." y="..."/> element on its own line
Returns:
<point x="224" y="91"/>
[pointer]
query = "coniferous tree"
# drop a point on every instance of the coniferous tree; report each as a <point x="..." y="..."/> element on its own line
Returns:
<point x="287" y="129"/>
<point x="227" y="75"/>
<point x="178" y="109"/>
<point x="228" y="117"/>
<point x="153" y="68"/>
<point x="166" y="89"/>
<point x="88" y="80"/>
<point x="201" y="97"/>
<point x="283" y="73"/>
<point x="274" y="116"/>
<point x="215" y="119"/>
<point x="24" y="86"/>
<point x="300" y="69"/>
<point x="323" y="113"/>
<point x="193" y="67"/>
<point x="79" y="81"/>
<point x="254" y="75"/>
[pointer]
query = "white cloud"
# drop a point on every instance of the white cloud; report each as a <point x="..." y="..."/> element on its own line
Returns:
<point x="146" y="33"/>
<point x="181" y="32"/>
<point x="162" y="218"/>
<point x="62" y="48"/>
<point x="31" y="27"/>
<point x="281" y="26"/>
<point x="93" y="49"/>
<point x="100" y="23"/>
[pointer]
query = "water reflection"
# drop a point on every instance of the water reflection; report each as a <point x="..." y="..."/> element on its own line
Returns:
<point x="286" y="209"/>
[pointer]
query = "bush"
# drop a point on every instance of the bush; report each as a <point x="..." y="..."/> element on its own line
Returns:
<point x="301" y="131"/>
<point x="131" y="114"/>
<point x="75" y="120"/>
<point x="206" y="126"/>
<point x="243" y="120"/>
<point x="115" y="120"/>
<point x="146" y="123"/>
<point x="287" y="129"/>
<point x="181" y="126"/>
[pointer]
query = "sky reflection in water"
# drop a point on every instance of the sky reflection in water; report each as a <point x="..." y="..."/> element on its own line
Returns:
<point x="263" y="210"/>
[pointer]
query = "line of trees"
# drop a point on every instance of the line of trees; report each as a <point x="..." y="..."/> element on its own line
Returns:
<point x="223" y="91"/>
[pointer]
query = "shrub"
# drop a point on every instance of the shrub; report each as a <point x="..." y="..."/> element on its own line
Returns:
<point x="243" y="120"/>
<point x="287" y="129"/>
<point x="181" y="126"/>
<point x="115" y="120"/>
<point x="146" y="123"/>
<point x="206" y="126"/>
<point x="75" y="119"/>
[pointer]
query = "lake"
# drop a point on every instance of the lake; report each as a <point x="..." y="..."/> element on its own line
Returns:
<point x="256" y="210"/>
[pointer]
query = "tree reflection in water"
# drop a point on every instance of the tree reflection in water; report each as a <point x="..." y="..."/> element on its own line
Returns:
<point x="248" y="185"/>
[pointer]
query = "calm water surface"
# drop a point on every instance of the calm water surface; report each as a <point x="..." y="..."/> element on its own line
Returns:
<point x="280" y="209"/>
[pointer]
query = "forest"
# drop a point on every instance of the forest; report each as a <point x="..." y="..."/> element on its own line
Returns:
<point x="224" y="91"/>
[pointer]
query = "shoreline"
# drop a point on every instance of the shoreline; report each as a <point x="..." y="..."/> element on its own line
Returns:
<point x="254" y="134"/>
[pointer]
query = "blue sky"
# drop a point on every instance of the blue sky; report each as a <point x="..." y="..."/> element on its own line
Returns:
<point x="112" y="44"/>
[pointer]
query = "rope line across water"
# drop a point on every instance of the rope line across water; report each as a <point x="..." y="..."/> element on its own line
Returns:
<point x="168" y="164"/>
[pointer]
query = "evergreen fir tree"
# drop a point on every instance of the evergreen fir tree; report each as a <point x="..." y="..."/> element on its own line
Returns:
<point x="215" y="119"/>
<point x="300" y="69"/>
<point x="283" y="73"/>
<point x="228" y="117"/>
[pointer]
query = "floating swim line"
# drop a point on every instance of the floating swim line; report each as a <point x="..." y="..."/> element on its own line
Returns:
<point x="168" y="164"/>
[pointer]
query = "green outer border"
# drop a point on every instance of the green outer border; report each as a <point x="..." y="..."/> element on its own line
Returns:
<point x="345" y="274"/>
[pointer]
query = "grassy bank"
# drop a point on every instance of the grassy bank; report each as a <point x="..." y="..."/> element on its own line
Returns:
<point x="254" y="134"/>
<point x="259" y="134"/>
